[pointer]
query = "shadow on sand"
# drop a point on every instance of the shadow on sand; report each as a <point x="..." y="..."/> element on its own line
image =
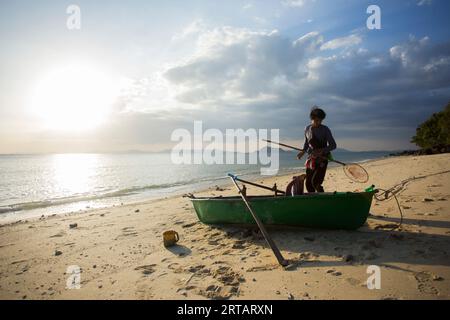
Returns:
<point x="179" y="250"/>
<point x="366" y="246"/>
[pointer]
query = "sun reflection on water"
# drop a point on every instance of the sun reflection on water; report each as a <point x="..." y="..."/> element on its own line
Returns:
<point x="73" y="173"/>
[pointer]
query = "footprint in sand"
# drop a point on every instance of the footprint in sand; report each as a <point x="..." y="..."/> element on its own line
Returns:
<point x="146" y="269"/>
<point x="354" y="282"/>
<point x="225" y="284"/>
<point x="175" y="267"/>
<point x="127" y="232"/>
<point x="424" y="283"/>
<point x="58" y="235"/>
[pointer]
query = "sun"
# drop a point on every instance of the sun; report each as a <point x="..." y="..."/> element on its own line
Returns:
<point x="73" y="97"/>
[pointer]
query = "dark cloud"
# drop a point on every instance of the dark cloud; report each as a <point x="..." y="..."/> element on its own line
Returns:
<point x="270" y="81"/>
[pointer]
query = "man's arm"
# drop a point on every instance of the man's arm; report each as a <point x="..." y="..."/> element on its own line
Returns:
<point x="331" y="143"/>
<point x="306" y="144"/>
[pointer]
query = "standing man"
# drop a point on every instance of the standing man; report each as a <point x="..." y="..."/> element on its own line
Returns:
<point x="319" y="142"/>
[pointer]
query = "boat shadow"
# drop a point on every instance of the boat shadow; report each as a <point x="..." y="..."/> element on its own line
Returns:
<point x="417" y="222"/>
<point x="312" y="248"/>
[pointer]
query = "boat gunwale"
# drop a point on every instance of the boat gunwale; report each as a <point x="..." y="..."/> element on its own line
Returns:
<point x="304" y="196"/>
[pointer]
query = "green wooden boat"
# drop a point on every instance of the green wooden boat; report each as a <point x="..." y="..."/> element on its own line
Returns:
<point x="338" y="210"/>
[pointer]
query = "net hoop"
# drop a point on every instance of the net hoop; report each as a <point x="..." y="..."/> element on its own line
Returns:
<point x="356" y="173"/>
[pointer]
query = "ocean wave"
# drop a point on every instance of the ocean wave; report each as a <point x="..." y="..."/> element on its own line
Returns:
<point x="91" y="197"/>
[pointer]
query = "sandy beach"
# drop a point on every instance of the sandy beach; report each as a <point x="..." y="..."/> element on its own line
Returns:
<point x="121" y="256"/>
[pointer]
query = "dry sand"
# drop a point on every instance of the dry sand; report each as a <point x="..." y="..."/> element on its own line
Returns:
<point x="121" y="256"/>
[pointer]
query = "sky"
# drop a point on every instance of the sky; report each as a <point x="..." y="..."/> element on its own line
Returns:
<point x="137" y="70"/>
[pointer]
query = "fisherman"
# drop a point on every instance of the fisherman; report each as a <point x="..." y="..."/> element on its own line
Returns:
<point x="319" y="142"/>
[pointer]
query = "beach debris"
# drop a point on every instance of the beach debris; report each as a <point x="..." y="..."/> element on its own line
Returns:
<point x="290" y="296"/>
<point x="219" y="188"/>
<point x="58" y="252"/>
<point x="437" y="278"/>
<point x="102" y="215"/>
<point x="73" y="225"/>
<point x="190" y="278"/>
<point x="427" y="200"/>
<point x="136" y="211"/>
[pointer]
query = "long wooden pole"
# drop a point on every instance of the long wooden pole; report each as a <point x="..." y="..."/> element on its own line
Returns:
<point x="284" y="145"/>
<point x="269" y="240"/>
<point x="298" y="149"/>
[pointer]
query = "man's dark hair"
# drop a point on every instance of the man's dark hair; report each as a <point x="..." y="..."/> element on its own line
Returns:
<point x="317" y="113"/>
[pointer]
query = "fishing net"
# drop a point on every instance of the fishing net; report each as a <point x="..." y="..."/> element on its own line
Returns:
<point x="356" y="172"/>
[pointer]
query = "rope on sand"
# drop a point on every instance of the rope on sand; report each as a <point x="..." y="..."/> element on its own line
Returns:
<point x="392" y="192"/>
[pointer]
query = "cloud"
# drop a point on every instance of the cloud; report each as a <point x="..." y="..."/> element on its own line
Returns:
<point x="344" y="42"/>
<point x="192" y="29"/>
<point x="273" y="80"/>
<point x="238" y="65"/>
<point x="240" y="78"/>
<point x="296" y="3"/>
<point x="424" y="2"/>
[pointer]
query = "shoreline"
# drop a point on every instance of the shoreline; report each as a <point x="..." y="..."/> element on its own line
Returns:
<point x="36" y="213"/>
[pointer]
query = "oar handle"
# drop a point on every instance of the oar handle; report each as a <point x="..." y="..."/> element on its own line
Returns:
<point x="232" y="176"/>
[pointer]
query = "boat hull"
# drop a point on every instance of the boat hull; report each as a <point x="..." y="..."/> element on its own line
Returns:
<point x="338" y="210"/>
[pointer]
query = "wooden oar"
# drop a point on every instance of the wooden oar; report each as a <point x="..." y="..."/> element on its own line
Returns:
<point x="261" y="227"/>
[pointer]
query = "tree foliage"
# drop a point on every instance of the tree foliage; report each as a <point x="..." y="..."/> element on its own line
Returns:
<point x="435" y="131"/>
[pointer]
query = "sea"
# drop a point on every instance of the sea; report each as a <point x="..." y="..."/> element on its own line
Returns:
<point x="47" y="184"/>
